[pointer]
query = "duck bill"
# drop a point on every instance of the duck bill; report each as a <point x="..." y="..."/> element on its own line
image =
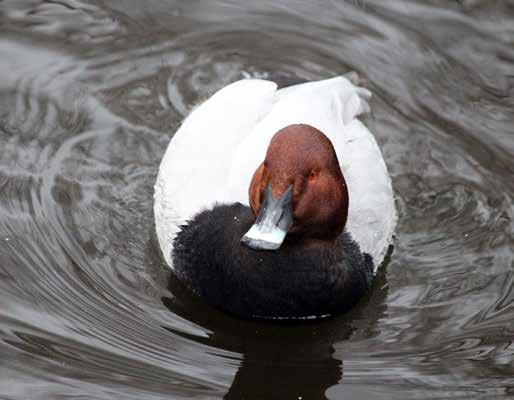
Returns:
<point x="273" y="222"/>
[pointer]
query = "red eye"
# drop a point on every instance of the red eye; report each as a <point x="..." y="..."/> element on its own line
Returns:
<point x="312" y="176"/>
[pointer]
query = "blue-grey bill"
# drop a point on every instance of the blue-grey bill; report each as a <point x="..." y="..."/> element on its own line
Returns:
<point x="273" y="222"/>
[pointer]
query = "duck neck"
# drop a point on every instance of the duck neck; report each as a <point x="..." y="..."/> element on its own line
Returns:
<point x="310" y="242"/>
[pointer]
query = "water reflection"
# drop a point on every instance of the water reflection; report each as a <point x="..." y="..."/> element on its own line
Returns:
<point x="284" y="360"/>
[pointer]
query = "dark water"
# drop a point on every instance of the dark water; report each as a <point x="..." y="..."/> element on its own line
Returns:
<point x="90" y="93"/>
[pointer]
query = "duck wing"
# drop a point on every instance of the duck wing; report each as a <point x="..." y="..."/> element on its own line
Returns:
<point x="196" y="165"/>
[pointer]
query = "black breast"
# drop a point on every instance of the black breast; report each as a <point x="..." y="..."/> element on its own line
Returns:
<point x="292" y="282"/>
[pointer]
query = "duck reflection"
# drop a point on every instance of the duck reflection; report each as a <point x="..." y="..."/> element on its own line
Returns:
<point x="281" y="360"/>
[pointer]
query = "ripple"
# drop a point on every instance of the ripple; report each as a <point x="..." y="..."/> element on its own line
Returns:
<point x="72" y="20"/>
<point x="90" y="96"/>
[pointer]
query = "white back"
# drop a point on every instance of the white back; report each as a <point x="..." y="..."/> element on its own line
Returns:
<point x="214" y="154"/>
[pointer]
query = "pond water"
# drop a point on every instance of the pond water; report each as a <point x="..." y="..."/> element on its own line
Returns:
<point x="90" y="94"/>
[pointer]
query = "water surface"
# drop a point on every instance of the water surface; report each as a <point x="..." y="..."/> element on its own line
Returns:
<point x="90" y="94"/>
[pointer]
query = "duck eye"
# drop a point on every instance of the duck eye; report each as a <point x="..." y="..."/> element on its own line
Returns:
<point x="312" y="176"/>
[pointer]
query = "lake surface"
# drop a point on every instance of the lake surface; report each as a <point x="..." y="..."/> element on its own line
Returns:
<point x="90" y="94"/>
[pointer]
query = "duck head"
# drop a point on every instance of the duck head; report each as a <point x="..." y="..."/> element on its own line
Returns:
<point x="298" y="190"/>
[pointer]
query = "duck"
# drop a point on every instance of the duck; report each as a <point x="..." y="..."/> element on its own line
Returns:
<point x="276" y="203"/>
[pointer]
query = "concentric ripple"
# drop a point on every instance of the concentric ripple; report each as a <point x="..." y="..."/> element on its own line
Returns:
<point x="90" y="95"/>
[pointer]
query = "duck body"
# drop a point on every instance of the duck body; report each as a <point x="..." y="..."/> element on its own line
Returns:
<point x="294" y="283"/>
<point x="202" y="207"/>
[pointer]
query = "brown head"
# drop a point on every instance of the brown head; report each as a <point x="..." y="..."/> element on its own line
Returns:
<point x="302" y="172"/>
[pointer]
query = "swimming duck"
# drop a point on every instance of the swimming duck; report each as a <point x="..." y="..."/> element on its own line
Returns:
<point x="276" y="203"/>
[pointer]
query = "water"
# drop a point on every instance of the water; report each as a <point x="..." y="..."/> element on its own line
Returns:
<point x="89" y="96"/>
